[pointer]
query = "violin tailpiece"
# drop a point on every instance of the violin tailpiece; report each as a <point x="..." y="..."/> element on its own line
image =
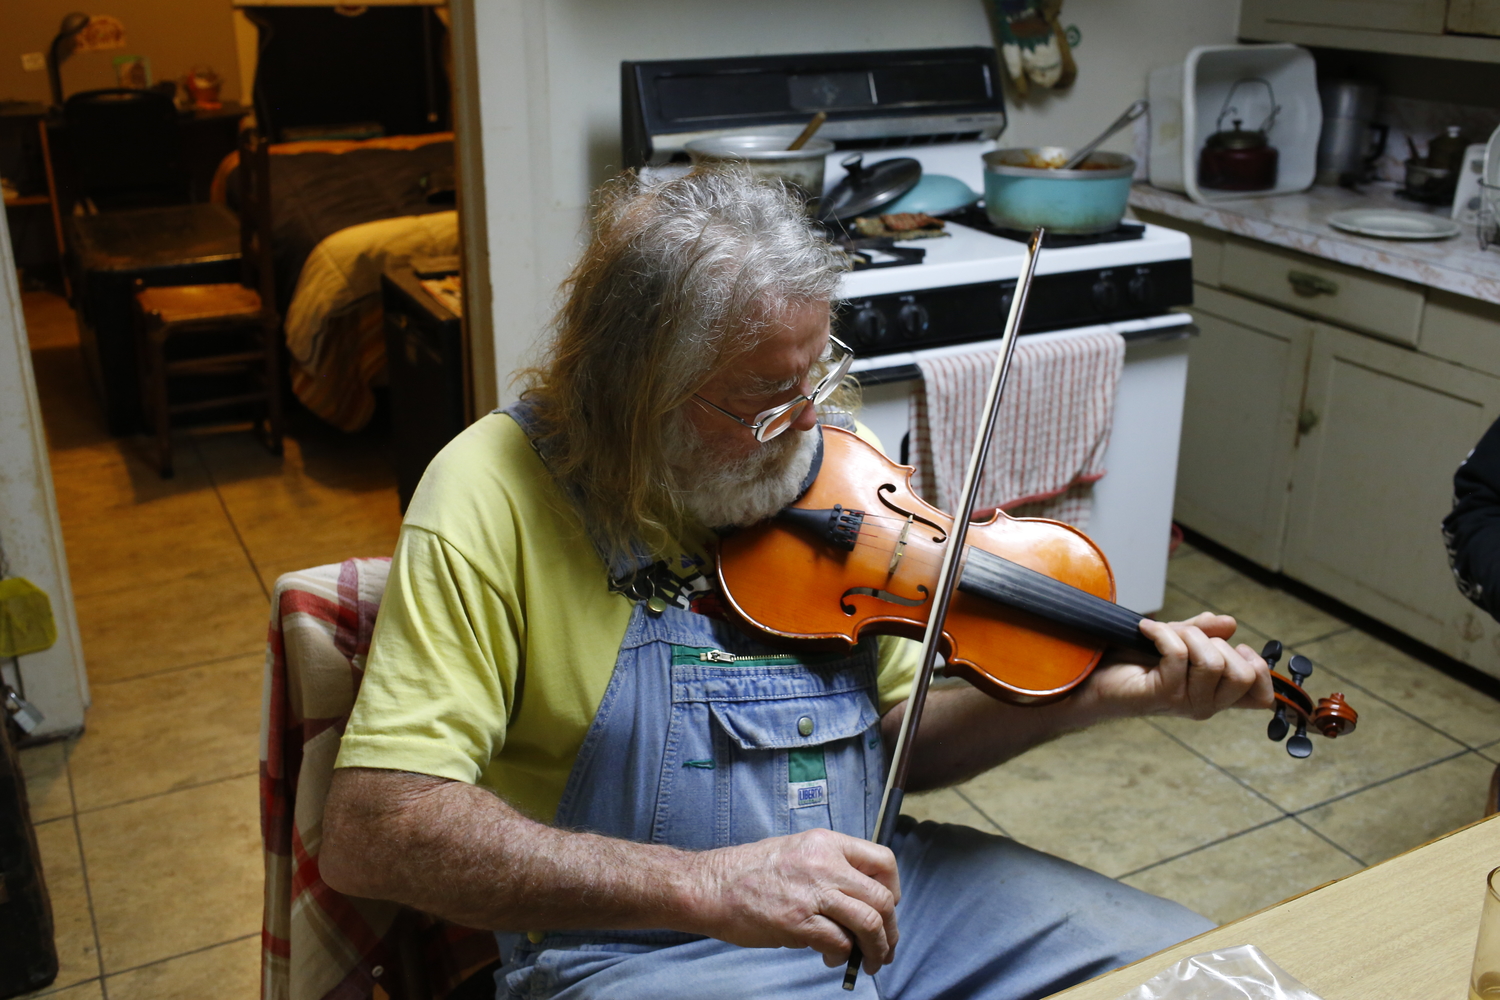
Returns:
<point x="835" y="525"/>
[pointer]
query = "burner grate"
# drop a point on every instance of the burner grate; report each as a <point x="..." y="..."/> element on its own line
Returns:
<point x="975" y="218"/>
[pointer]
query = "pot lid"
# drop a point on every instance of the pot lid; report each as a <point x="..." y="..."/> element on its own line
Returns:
<point x="1237" y="138"/>
<point x="866" y="189"/>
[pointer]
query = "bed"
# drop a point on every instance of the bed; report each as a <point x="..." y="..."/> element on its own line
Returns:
<point x="344" y="211"/>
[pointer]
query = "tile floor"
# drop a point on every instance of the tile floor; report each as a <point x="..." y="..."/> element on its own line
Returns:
<point x="148" y="822"/>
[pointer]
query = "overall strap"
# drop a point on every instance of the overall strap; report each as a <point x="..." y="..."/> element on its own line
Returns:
<point x="623" y="569"/>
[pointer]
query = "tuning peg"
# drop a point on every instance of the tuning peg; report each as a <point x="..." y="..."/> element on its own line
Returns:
<point x="1271" y="651"/>
<point x="1300" y="746"/>
<point x="1276" y="729"/>
<point x="1300" y="668"/>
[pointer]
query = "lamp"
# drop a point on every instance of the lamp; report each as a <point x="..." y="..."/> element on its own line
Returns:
<point x="62" y="47"/>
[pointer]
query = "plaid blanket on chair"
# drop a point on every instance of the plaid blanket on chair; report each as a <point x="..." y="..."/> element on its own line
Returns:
<point x="315" y="943"/>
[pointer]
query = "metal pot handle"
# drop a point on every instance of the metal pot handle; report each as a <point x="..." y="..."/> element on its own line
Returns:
<point x="1265" y="126"/>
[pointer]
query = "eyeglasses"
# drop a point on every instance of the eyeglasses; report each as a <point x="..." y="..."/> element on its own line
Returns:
<point x="769" y="423"/>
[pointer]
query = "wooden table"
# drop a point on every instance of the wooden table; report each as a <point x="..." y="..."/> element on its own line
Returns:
<point x="1401" y="930"/>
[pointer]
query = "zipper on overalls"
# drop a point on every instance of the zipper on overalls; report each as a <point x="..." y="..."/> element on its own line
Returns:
<point x="719" y="656"/>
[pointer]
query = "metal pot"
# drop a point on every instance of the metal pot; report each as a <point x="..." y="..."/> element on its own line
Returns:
<point x="1022" y="192"/>
<point x="1238" y="160"/>
<point x="1433" y="185"/>
<point x="767" y="156"/>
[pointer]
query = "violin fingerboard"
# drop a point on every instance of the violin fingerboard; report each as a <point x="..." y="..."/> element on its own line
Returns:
<point x="998" y="579"/>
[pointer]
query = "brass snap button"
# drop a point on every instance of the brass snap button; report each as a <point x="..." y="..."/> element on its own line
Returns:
<point x="805" y="725"/>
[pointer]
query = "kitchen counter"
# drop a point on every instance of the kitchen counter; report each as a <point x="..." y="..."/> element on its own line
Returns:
<point x="1295" y="221"/>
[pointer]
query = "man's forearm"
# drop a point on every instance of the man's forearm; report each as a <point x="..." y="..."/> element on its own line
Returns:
<point x="461" y="853"/>
<point x="458" y="852"/>
<point x="965" y="732"/>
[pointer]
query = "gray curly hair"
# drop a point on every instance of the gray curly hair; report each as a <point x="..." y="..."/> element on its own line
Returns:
<point x="679" y="279"/>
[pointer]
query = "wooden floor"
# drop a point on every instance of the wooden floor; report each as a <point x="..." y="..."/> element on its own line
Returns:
<point x="149" y="822"/>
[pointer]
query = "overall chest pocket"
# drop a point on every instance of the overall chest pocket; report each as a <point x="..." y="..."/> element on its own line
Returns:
<point x="760" y="749"/>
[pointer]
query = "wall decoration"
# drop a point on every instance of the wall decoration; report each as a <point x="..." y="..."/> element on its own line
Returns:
<point x="1035" y="48"/>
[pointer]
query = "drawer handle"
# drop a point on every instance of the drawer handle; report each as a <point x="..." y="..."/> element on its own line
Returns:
<point x="1306" y="421"/>
<point x="1311" y="285"/>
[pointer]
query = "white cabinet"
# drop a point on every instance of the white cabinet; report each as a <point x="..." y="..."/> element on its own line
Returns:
<point x="1474" y="17"/>
<point x="1425" y="16"/>
<point x="1443" y="29"/>
<point x="1384" y="428"/>
<point x="1239" y="428"/>
<point x="1321" y="433"/>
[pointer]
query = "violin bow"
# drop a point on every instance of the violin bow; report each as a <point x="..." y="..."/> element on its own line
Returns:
<point x="895" y="782"/>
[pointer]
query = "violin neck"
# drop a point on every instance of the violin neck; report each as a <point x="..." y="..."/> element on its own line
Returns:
<point x="997" y="579"/>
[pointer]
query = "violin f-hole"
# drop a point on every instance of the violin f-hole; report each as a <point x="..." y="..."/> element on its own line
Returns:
<point x="882" y="595"/>
<point x="884" y="488"/>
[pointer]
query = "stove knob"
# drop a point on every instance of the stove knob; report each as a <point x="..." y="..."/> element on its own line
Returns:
<point x="1142" y="289"/>
<point x="869" y="326"/>
<point x="914" y="320"/>
<point x="1106" y="295"/>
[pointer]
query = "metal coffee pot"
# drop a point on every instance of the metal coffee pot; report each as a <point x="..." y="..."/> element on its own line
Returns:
<point x="1351" y="141"/>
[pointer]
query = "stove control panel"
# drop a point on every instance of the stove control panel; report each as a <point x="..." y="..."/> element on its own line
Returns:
<point x="901" y="321"/>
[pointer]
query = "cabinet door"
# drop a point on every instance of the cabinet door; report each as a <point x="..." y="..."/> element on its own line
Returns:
<point x="1422" y="16"/>
<point x="1474" y="17"/>
<point x="1239" y="424"/>
<point x="1374" y="477"/>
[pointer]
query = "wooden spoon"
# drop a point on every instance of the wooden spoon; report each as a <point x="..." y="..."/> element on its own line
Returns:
<point x="811" y="130"/>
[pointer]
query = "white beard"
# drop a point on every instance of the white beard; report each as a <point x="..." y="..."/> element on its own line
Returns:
<point x="743" y="491"/>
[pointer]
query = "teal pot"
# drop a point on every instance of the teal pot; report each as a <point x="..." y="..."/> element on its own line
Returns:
<point x="1022" y="192"/>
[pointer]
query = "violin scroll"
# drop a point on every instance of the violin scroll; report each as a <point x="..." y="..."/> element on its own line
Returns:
<point x="1332" y="716"/>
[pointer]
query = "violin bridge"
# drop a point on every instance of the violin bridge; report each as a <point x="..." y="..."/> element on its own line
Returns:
<point x="900" y="547"/>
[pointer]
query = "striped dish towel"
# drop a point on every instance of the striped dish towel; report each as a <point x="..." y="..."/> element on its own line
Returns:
<point x="1051" y="434"/>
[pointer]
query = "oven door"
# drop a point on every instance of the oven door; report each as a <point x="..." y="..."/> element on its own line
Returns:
<point x="1132" y="517"/>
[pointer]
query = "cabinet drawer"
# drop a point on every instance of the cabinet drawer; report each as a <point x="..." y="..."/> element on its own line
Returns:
<point x="1347" y="296"/>
<point x="1462" y="330"/>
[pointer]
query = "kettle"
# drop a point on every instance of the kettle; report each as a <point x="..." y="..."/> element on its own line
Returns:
<point x="1240" y="159"/>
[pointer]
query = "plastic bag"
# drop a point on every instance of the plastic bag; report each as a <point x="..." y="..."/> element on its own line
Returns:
<point x="1241" y="973"/>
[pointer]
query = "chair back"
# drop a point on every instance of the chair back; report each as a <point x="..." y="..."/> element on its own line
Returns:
<point x="125" y="149"/>
<point x="257" y="262"/>
<point x="315" y="942"/>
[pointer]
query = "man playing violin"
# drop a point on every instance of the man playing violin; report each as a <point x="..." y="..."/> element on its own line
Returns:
<point x="559" y="736"/>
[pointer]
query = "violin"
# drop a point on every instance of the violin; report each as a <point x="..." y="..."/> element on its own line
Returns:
<point x="1033" y="611"/>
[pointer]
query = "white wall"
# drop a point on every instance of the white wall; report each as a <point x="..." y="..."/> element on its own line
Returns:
<point x="54" y="679"/>
<point x="548" y="82"/>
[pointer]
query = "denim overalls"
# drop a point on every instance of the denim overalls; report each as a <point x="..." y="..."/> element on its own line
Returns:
<point x="707" y="738"/>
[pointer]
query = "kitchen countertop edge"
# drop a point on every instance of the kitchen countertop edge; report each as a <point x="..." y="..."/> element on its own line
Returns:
<point x="1245" y="217"/>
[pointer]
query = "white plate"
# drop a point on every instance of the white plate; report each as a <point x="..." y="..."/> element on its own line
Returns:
<point x="1393" y="224"/>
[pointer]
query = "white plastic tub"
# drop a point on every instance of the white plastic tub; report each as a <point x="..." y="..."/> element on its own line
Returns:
<point x="1186" y="100"/>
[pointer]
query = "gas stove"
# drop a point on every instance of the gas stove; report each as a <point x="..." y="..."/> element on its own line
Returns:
<point x="960" y="289"/>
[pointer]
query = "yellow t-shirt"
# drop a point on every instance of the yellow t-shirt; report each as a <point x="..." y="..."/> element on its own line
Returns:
<point x="497" y="633"/>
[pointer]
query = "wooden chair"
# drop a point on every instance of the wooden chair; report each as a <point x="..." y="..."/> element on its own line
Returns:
<point x="218" y="331"/>
<point x="125" y="149"/>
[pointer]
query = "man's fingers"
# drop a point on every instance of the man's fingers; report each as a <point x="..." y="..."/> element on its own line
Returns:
<point x="1205" y="671"/>
<point x="1238" y="676"/>
<point x="872" y="890"/>
<point x="877" y="862"/>
<point x="1169" y="644"/>
<point x="875" y="932"/>
<point x="1260" y="693"/>
<point x="1215" y="626"/>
